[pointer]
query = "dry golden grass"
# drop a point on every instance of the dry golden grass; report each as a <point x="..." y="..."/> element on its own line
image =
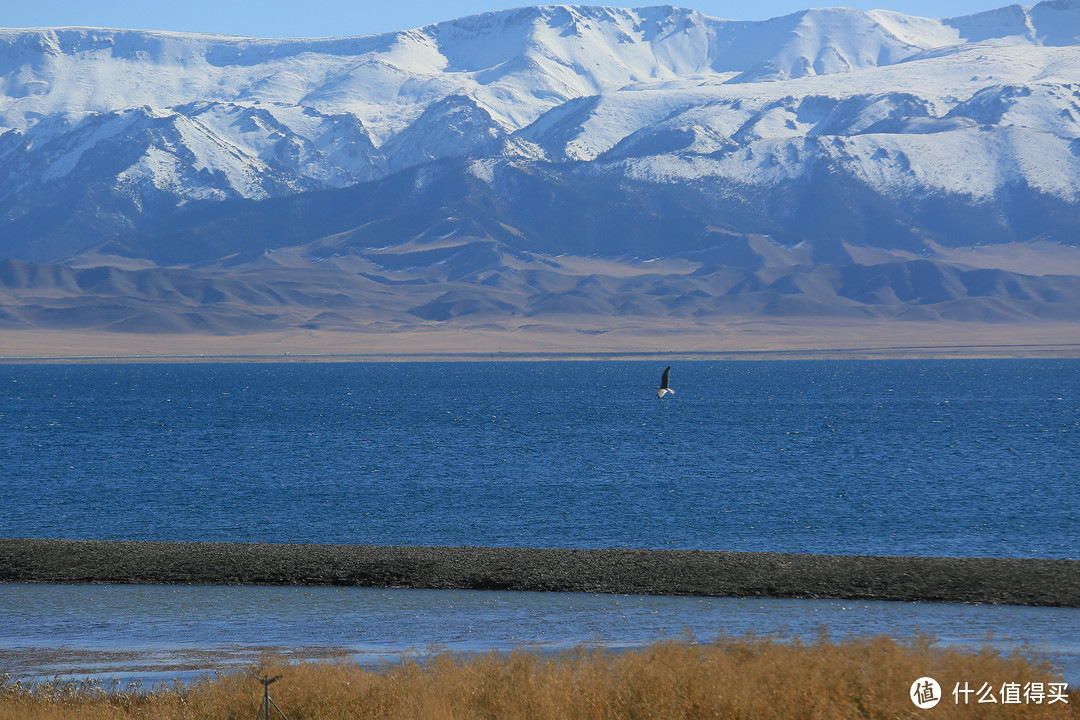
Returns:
<point x="746" y="678"/>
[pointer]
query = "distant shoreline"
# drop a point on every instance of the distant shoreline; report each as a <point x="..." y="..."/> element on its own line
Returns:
<point x="573" y="338"/>
<point x="1005" y="581"/>
<point x="1063" y="351"/>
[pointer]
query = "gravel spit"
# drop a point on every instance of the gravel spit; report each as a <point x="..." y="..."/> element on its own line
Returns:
<point x="632" y="572"/>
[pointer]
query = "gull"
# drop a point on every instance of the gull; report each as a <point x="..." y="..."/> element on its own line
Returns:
<point x="664" y="389"/>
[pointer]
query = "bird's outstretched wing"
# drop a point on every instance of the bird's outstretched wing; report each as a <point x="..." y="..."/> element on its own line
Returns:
<point x="664" y="389"/>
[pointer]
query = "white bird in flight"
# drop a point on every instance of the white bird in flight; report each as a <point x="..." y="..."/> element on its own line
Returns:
<point x="664" y="389"/>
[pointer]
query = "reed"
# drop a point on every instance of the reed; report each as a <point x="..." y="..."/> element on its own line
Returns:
<point x="747" y="678"/>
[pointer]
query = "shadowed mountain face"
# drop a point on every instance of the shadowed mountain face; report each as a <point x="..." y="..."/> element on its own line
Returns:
<point x="549" y="162"/>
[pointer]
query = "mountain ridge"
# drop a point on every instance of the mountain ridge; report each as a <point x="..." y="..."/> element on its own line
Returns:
<point x="830" y="163"/>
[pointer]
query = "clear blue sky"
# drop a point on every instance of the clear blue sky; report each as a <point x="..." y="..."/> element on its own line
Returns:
<point x="327" y="18"/>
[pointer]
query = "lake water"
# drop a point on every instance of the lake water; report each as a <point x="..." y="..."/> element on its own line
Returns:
<point x="157" y="633"/>
<point x="952" y="458"/>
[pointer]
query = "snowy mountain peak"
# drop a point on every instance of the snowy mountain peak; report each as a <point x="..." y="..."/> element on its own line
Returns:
<point x="886" y="107"/>
<point x="1051" y="23"/>
<point x="517" y="63"/>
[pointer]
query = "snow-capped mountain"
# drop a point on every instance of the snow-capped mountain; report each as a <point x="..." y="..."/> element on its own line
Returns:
<point x="872" y="138"/>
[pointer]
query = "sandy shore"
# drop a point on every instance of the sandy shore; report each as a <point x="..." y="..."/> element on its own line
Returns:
<point x="646" y="572"/>
<point x="575" y="337"/>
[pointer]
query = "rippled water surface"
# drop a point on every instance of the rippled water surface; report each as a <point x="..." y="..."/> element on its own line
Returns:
<point x="950" y="458"/>
<point x="954" y="458"/>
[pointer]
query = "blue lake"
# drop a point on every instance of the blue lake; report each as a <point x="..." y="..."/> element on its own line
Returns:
<point x="952" y="458"/>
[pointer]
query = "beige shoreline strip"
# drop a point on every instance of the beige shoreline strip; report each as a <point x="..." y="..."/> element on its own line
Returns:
<point x="1057" y="351"/>
<point x="645" y="572"/>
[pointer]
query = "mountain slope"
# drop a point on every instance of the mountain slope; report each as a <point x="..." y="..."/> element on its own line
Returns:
<point x="854" y="145"/>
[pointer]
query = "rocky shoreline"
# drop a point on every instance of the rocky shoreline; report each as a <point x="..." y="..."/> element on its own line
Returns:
<point x="646" y="572"/>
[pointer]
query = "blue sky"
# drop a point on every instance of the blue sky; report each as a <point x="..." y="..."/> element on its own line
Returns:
<point x="326" y="18"/>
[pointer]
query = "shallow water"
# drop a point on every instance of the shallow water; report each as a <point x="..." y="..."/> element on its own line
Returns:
<point x="162" y="632"/>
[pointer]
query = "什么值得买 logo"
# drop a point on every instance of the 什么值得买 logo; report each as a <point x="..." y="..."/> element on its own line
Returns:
<point x="925" y="693"/>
